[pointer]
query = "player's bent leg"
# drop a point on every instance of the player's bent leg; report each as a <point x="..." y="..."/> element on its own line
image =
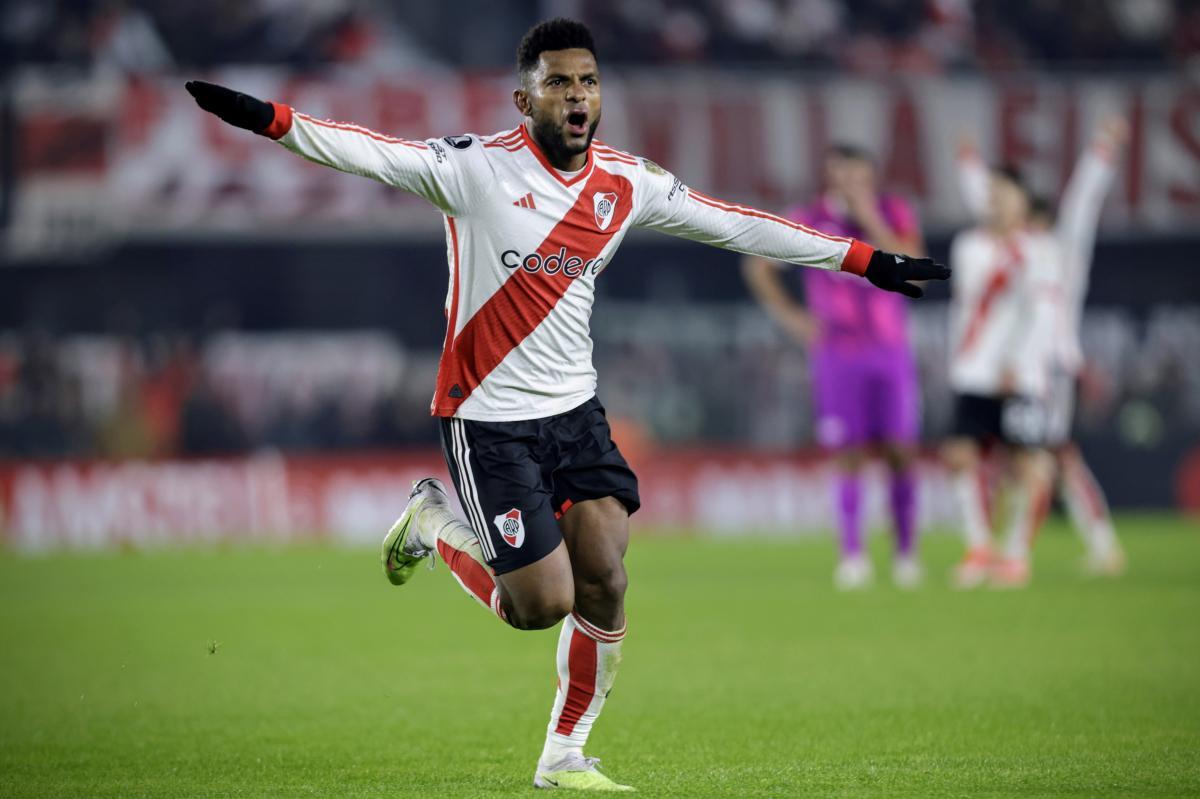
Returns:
<point x="513" y="542"/>
<point x="589" y="646"/>
<point x="902" y="496"/>
<point x="428" y="524"/>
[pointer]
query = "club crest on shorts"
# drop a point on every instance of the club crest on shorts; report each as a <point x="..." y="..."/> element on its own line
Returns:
<point x="511" y="527"/>
<point x="605" y="203"/>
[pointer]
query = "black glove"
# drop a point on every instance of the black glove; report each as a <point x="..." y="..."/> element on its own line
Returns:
<point x="892" y="272"/>
<point x="233" y="107"/>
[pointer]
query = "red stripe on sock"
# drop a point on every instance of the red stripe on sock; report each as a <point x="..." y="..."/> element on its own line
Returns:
<point x="476" y="578"/>
<point x="581" y="687"/>
<point x="592" y="631"/>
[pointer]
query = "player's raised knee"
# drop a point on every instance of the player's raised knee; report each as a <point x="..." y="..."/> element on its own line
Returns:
<point x="541" y="612"/>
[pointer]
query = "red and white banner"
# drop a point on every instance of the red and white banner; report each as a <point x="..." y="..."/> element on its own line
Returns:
<point x="354" y="499"/>
<point x="134" y="156"/>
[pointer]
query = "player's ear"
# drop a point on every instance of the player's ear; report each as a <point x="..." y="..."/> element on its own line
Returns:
<point x="521" y="101"/>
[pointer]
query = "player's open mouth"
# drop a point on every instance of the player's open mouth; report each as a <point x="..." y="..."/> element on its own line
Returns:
<point x="577" y="123"/>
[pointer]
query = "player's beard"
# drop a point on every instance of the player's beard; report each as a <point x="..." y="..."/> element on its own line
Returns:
<point x="551" y="137"/>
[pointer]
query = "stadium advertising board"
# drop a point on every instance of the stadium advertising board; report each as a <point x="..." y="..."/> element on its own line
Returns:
<point x="353" y="499"/>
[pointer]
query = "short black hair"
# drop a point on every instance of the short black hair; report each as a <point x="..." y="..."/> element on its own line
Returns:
<point x="1012" y="174"/>
<point x="1040" y="205"/>
<point x="852" y="152"/>
<point x="553" y="34"/>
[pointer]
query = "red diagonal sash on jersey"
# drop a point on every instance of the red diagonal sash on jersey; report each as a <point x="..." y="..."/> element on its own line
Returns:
<point x="525" y="299"/>
<point x="991" y="292"/>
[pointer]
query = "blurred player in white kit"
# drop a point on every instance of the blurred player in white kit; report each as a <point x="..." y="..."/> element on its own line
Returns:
<point x="1002" y="322"/>
<point x="1074" y="234"/>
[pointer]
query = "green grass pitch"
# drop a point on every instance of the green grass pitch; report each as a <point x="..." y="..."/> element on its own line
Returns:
<point x="301" y="672"/>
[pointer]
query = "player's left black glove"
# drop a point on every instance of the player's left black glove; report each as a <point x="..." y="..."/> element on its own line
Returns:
<point x="892" y="272"/>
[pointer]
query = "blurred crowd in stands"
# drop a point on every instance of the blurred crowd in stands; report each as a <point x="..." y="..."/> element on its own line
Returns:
<point x="867" y="36"/>
<point x="171" y="394"/>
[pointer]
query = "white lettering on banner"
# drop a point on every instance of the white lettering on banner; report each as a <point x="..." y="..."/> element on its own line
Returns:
<point x="354" y="498"/>
<point x="84" y="506"/>
<point x="169" y="167"/>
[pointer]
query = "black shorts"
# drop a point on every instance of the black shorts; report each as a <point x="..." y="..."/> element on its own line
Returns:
<point x="1016" y="421"/>
<point x="515" y="479"/>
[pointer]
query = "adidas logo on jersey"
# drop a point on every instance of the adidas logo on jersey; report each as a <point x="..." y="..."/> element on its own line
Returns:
<point x="525" y="202"/>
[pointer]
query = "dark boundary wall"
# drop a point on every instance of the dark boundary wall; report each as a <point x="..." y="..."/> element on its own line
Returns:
<point x="401" y="286"/>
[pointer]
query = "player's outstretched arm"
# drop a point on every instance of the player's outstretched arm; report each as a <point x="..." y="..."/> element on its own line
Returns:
<point x="414" y="166"/>
<point x="670" y="207"/>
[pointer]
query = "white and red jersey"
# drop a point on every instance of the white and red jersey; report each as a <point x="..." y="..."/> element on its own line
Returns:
<point x="525" y="244"/>
<point x="1003" y="312"/>
<point x="1074" y="232"/>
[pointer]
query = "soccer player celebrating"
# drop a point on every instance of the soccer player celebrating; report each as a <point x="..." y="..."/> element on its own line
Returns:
<point x="1003" y="315"/>
<point x="1075" y="232"/>
<point x="863" y="370"/>
<point x="533" y="217"/>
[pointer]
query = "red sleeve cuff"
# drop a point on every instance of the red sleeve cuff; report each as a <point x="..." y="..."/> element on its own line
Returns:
<point x="857" y="258"/>
<point x="282" y="122"/>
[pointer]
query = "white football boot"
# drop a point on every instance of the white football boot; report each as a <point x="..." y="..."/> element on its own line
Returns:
<point x="907" y="572"/>
<point x="576" y="773"/>
<point x="405" y="544"/>
<point x="853" y="573"/>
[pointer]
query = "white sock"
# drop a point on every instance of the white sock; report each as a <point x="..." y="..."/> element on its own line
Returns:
<point x="438" y="528"/>
<point x="588" y="658"/>
<point x="976" y="528"/>
<point x="1087" y="508"/>
<point x="1028" y="512"/>
<point x="1019" y="533"/>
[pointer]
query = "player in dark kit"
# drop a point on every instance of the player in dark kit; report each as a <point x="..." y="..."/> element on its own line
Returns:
<point x="533" y="217"/>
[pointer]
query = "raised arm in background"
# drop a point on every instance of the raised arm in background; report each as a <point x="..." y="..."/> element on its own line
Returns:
<point x="1079" y="210"/>
<point x="972" y="173"/>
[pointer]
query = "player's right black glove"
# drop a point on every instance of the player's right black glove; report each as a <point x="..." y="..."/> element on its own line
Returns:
<point x="233" y="107"/>
<point x="892" y="272"/>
